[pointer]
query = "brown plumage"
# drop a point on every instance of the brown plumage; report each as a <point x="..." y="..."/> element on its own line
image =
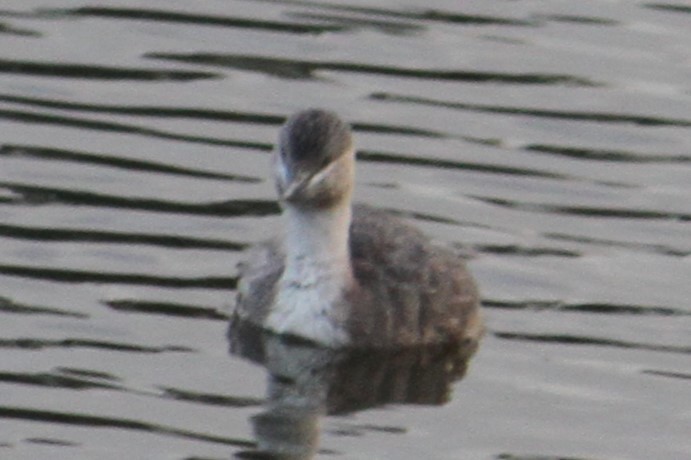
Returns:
<point x="408" y="291"/>
<point x="399" y="290"/>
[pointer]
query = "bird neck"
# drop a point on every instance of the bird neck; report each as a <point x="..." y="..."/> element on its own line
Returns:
<point x="317" y="245"/>
<point x="309" y="301"/>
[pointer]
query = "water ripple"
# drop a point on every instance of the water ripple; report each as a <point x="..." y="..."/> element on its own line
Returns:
<point x="55" y="380"/>
<point x="598" y="117"/>
<point x="305" y="70"/>
<point x="95" y="236"/>
<point x="52" y="442"/>
<point x="166" y="309"/>
<point x="391" y="158"/>
<point x="149" y="111"/>
<point x="118" y="162"/>
<point x="356" y="22"/>
<point x="617" y="213"/>
<point x="90" y="124"/>
<point x="606" y="155"/>
<point x="38" y="344"/>
<point x="7" y="29"/>
<point x="428" y="14"/>
<point x="9" y="306"/>
<point x="565" y="339"/>
<point x="669" y="7"/>
<point x="515" y="250"/>
<point x="96" y="72"/>
<point x="66" y="379"/>
<point x="34" y="195"/>
<point x="70" y="379"/>
<point x="143" y="14"/>
<point x="574" y="19"/>
<point x="211" y="399"/>
<point x="93" y="421"/>
<point x="656" y="248"/>
<point x="203" y="114"/>
<point x="669" y="374"/>
<point x="597" y="308"/>
<point x="81" y="276"/>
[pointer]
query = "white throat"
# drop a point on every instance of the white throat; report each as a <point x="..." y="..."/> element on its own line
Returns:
<point x="317" y="271"/>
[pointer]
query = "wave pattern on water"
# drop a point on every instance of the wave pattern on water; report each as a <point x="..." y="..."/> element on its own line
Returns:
<point x="605" y="309"/>
<point x="297" y="69"/>
<point x="97" y="125"/>
<point x="83" y="276"/>
<point x="19" y="413"/>
<point x="114" y="161"/>
<point x="552" y="114"/>
<point x="9" y="306"/>
<point x="93" y="72"/>
<point x="144" y="14"/>
<point x="590" y="341"/>
<point x="39" y="344"/>
<point x="548" y="142"/>
<point x="44" y="195"/>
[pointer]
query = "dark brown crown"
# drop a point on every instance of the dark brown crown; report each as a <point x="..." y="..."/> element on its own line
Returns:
<point x="312" y="139"/>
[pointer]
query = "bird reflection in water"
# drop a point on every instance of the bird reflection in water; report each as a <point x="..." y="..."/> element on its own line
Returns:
<point x="306" y="382"/>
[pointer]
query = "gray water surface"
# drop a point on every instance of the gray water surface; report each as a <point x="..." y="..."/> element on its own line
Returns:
<point x="548" y="141"/>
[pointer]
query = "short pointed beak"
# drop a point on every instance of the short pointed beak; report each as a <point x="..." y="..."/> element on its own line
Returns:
<point x="296" y="185"/>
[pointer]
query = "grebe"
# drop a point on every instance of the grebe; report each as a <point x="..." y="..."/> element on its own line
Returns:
<point x="344" y="275"/>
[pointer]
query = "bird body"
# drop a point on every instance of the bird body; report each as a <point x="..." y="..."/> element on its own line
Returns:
<point x="344" y="275"/>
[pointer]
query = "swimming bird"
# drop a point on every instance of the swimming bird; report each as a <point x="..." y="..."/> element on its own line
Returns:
<point x="344" y="275"/>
